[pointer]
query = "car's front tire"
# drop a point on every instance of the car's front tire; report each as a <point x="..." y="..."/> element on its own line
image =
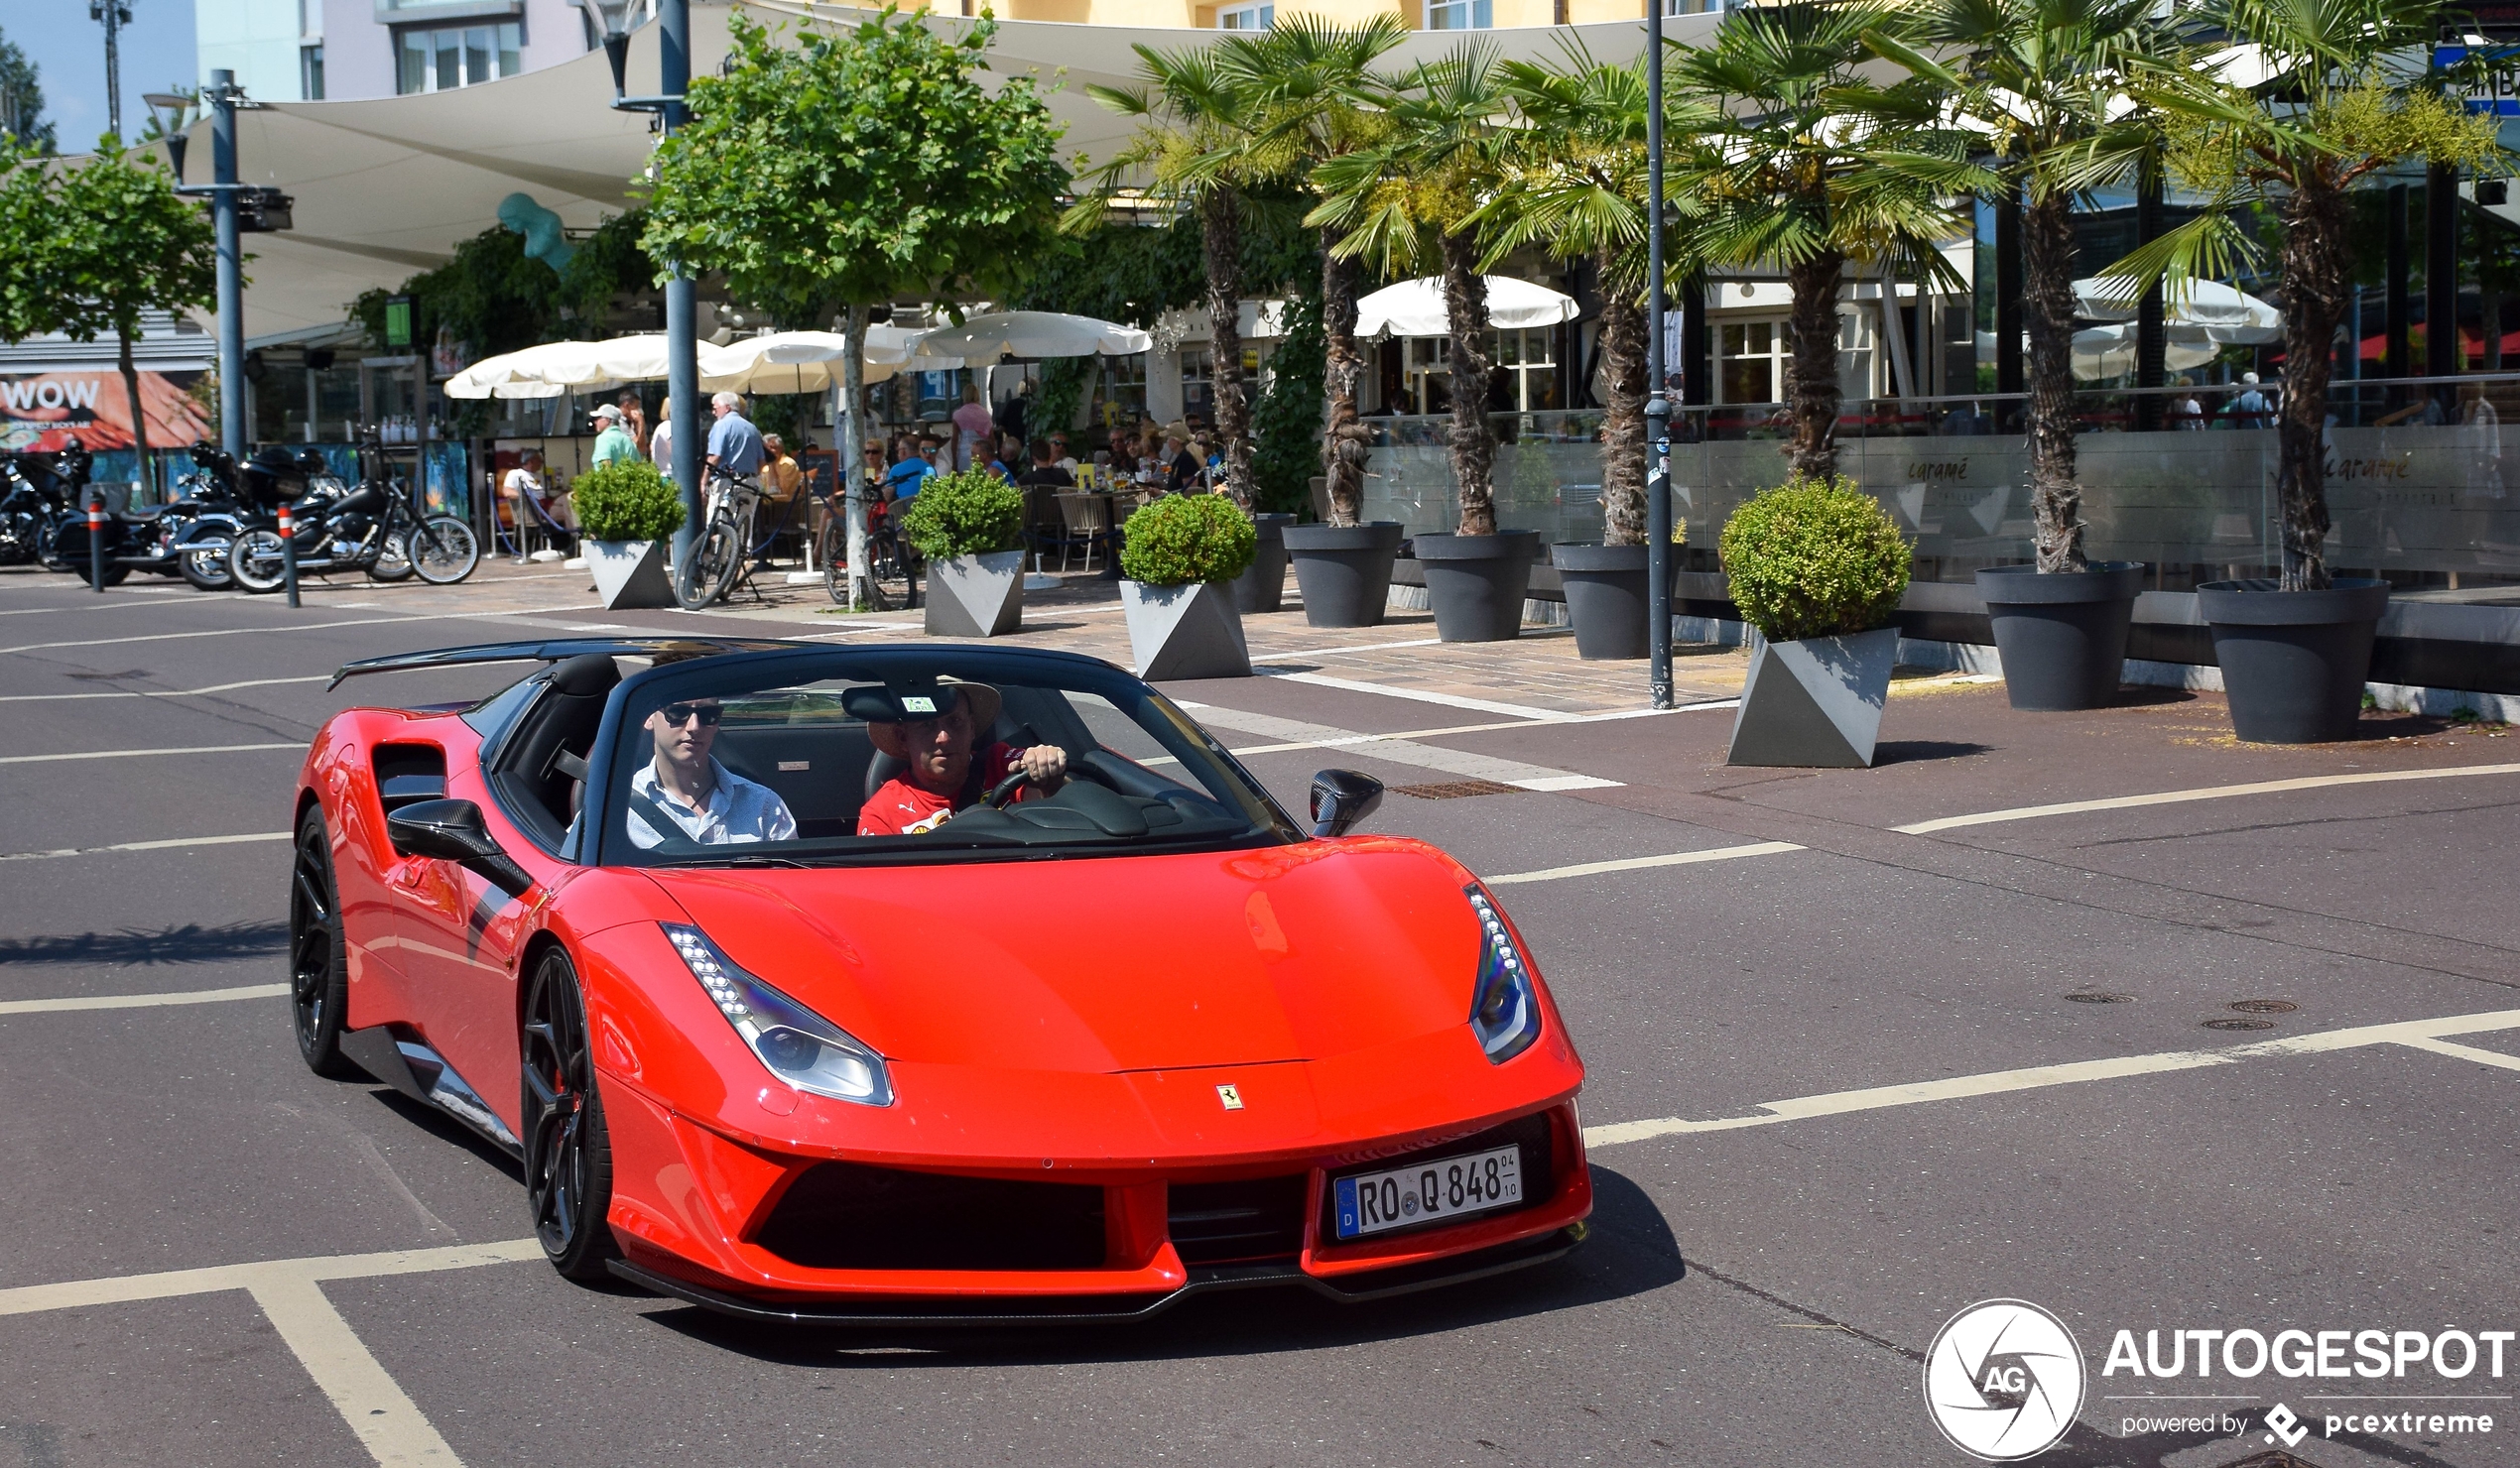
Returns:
<point x="567" y="1155"/>
<point x="319" y="963"/>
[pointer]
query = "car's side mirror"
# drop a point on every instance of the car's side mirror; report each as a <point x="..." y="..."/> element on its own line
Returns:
<point x="1340" y="799"/>
<point x="454" y="831"/>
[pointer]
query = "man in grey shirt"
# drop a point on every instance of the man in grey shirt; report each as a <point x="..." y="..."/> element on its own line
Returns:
<point x="734" y="444"/>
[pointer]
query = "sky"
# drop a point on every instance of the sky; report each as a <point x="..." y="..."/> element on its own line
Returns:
<point x="68" y="51"/>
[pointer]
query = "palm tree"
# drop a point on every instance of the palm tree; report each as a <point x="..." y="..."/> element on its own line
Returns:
<point x="1192" y="144"/>
<point x="1575" y="185"/>
<point x="1315" y="98"/>
<point x="1807" y="166"/>
<point x="2312" y="100"/>
<point x="1409" y="203"/>
<point x="2038" y="82"/>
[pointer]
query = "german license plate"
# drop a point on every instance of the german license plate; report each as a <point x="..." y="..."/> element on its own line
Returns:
<point x="1428" y="1192"/>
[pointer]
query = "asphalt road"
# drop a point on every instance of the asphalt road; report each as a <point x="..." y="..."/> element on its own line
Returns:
<point x="1820" y="1127"/>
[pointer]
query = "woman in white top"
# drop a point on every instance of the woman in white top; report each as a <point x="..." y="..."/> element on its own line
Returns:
<point x="660" y="442"/>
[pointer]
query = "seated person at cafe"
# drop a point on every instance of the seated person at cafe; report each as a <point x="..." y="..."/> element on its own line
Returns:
<point x="684" y="788"/>
<point x="930" y="728"/>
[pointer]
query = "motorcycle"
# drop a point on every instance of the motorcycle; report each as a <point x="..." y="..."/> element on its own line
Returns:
<point x="189" y="536"/>
<point x="374" y="526"/>
<point x="36" y="491"/>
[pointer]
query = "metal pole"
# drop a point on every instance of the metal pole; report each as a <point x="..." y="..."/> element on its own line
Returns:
<point x="682" y="304"/>
<point x="97" y="539"/>
<point x="111" y="12"/>
<point x="231" y="278"/>
<point x="288" y="553"/>
<point x="1658" y="406"/>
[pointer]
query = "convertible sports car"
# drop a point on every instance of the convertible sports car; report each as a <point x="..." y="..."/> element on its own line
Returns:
<point x="924" y="984"/>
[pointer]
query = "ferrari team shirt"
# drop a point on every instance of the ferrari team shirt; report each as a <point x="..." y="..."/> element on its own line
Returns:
<point x="901" y="808"/>
<point x="735" y="810"/>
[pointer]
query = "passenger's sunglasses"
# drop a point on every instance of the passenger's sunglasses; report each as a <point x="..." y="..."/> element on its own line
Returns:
<point x="677" y="714"/>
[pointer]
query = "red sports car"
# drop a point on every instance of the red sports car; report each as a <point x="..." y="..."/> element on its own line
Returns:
<point x="921" y="983"/>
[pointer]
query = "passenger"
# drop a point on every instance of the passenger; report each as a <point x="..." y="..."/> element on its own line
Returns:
<point x="930" y="728"/>
<point x="701" y="800"/>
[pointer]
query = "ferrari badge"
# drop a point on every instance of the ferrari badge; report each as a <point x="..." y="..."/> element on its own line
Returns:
<point x="1230" y="1096"/>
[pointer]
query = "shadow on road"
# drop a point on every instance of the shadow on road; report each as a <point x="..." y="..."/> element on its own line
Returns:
<point x="1914" y="751"/>
<point x="192" y="942"/>
<point x="1632" y="1251"/>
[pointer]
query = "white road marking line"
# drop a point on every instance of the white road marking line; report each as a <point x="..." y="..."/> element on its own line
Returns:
<point x="2206" y="793"/>
<point x="1295" y="733"/>
<point x="1420" y="695"/>
<point x="259" y="683"/>
<point x="27" y="1300"/>
<point x="134" y="754"/>
<point x="388" y="1422"/>
<point x="98" y="642"/>
<point x="2415" y="1032"/>
<point x="166" y="845"/>
<point x="2465" y="1053"/>
<point x="139" y="1001"/>
<point x="1640" y="863"/>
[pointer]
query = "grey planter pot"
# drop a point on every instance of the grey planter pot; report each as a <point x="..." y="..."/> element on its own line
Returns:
<point x="1606" y="598"/>
<point x="629" y="574"/>
<point x="1476" y="583"/>
<point x="1262" y="585"/>
<point x="1814" y="703"/>
<point x="1184" y="632"/>
<point x="2063" y="636"/>
<point x="1343" y="572"/>
<point x="976" y="596"/>
<point x="2293" y="661"/>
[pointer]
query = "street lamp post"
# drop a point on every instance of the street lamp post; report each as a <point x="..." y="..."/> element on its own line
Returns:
<point x="223" y="95"/>
<point x="682" y="304"/>
<point x="1658" y="406"/>
<point x="116" y="15"/>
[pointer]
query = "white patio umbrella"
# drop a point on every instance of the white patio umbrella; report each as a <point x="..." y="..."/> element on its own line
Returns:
<point x="557" y="367"/>
<point x="806" y="361"/>
<point x="1416" y="308"/>
<point x="2232" y="317"/>
<point x="2108" y="352"/>
<point x="1028" y="335"/>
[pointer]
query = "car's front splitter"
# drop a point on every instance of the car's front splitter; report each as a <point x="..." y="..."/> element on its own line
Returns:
<point x="1003" y="1312"/>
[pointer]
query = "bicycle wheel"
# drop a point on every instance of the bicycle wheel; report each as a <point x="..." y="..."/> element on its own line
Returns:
<point x="709" y="568"/>
<point x="443" y="550"/>
<point x="832" y="545"/>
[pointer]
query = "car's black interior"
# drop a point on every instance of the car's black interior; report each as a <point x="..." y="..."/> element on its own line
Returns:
<point x="539" y="768"/>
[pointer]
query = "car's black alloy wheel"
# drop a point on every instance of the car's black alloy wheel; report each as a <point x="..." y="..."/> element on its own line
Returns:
<point x="319" y="967"/>
<point x="568" y="1157"/>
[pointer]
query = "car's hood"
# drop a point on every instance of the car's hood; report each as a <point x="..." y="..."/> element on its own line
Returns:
<point x="1136" y="963"/>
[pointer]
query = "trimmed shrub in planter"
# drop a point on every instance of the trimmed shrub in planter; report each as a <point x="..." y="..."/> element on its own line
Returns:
<point x="1817" y="567"/>
<point x="627" y="514"/>
<point x="970" y="526"/>
<point x="1179" y="558"/>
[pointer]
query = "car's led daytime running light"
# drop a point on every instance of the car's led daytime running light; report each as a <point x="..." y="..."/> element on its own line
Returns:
<point x="1504" y="1009"/>
<point x="799" y="1047"/>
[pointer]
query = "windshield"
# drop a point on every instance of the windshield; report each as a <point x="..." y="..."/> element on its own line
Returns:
<point x="902" y="755"/>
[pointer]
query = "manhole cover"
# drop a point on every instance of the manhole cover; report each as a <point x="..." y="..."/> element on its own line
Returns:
<point x="1454" y="790"/>
<point x="2264" y="1006"/>
<point x="2238" y="1024"/>
<point x="2095" y="997"/>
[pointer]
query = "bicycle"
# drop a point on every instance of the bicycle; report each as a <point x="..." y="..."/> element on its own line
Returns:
<point x="892" y="582"/>
<point x="718" y="554"/>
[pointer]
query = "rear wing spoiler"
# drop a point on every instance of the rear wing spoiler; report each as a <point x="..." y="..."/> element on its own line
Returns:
<point x="553" y="650"/>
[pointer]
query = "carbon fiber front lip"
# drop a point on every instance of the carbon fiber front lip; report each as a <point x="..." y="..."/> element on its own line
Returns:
<point x="1094" y="1310"/>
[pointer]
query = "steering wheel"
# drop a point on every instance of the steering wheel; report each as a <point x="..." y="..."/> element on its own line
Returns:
<point x="1005" y="790"/>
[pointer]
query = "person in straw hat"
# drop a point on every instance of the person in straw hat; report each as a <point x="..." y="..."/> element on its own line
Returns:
<point x="932" y="729"/>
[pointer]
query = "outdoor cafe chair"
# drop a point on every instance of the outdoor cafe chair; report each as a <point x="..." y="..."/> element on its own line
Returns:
<point x="1085" y="522"/>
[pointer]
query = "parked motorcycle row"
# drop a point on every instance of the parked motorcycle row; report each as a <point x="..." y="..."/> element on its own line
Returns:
<point x="222" y="527"/>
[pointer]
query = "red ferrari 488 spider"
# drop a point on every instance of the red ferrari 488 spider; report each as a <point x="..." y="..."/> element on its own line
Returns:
<point x="924" y="984"/>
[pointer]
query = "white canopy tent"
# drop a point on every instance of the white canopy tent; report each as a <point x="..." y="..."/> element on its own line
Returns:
<point x="1029" y="335"/>
<point x="1416" y="308"/>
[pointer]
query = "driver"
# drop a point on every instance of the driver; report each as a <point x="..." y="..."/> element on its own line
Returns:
<point x="930" y="727"/>
<point x="700" y="799"/>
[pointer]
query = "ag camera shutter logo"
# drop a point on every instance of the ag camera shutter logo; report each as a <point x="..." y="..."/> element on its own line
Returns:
<point x="2003" y="1380"/>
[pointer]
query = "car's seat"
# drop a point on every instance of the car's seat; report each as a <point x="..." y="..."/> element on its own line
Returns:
<point x="545" y="762"/>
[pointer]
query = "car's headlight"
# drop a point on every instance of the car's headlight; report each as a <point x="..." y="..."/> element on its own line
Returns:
<point x="1504" y="1007"/>
<point x="799" y="1046"/>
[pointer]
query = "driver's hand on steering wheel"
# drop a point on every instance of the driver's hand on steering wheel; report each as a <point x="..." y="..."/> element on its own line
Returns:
<point x="1045" y="764"/>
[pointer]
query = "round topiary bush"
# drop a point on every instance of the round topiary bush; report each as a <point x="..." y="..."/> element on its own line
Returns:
<point x="626" y="500"/>
<point x="1182" y="539"/>
<point x="1815" y="558"/>
<point x="968" y="513"/>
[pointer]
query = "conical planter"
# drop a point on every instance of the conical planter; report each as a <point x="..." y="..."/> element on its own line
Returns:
<point x="1476" y="583"/>
<point x="1184" y="632"/>
<point x="1814" y="703"/>
<point x="2061" y="636"/>
<point x="1262" y="585"/>
<point x="976" y="596"/>
<point x="1343" y="572"/>
<point x="2293" y="661"/>
<point x="1607" y="597"/>
<point x="629" y="574"/>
